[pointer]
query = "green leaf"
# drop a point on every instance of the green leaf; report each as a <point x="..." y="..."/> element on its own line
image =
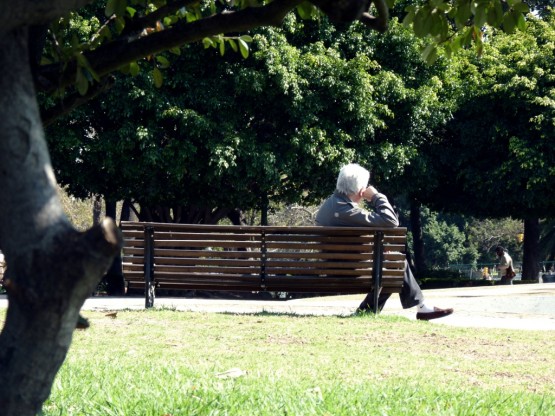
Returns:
<point x="131" y="11"/>
<point x="134" y="69"/>
<point x="157" y="77"/>
<point x="81" y="82"/>
<point x="521" y="22"/>
<point x="246" y="38"/>
<point x="409" y="17"/>
<point x="480" y="15"/>
<point x="440" y="5"/>
<point x="106" y="33"/>
<point x="190" y="17"/>
<point x="170" y="20"/>
<point x="495" y="14"/>
<point x="208" y="42"/>
<point x="463" y="14"/>
<point x="233" y="45"/>
<point x="120" y="24"/>
<point x="82" y="61"/>
<point x="110" y="8"/>
<point x="306" y="10"/>
<point x="419" y="24"/>
<point x="117" y="7"/>
<point x="222" y="47"/>
<point x="429" y="54"/>
<point x="466" y="38"/>
<point x="176" y="50"/>
<point x="244" y="48"/>
<point x="509" y="23"/>
<point x="163" y="61"/>
<point x="521" y="7"/>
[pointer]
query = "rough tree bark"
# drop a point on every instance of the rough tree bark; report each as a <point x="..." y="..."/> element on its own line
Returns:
<point x="52" y="268"/>
<point x="531" y="249"/>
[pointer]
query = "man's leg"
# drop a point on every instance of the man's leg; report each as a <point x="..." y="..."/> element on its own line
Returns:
<point x="410" y="295"/>
<point x="367" y="304"/>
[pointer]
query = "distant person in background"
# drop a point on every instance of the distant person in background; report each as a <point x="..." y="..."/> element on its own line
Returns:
<point x="342" y="210"/>
<point x="505" y="266"/>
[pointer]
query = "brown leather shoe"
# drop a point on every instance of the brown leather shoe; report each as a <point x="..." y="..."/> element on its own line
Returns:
<point x="437" y="313"/>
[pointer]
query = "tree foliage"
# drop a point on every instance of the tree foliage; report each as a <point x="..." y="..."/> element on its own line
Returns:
<point x="308" y="99"/>
<point x="456" y="25"/>
<point x="496" y="157"/>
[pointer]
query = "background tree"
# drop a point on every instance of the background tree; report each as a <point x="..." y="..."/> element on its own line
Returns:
<point x="496" y="156"/>
<point x="272" y="128"/>
<point x="309" y="98"/>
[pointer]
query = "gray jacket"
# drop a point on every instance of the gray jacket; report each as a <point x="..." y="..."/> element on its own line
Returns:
<point x="339" y="211"/>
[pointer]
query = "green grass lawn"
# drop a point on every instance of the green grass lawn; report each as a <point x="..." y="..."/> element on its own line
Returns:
<point x="163" y="362"/>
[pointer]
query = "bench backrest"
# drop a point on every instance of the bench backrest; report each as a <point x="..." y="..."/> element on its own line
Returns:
<point x="263" y="258"/>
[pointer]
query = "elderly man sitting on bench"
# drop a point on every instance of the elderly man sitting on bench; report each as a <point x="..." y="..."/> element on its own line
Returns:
<point x="342" y="210"/>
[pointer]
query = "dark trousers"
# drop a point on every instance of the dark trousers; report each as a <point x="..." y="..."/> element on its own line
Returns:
<point x="506" y="280"/>
<point x="411" y="294"/>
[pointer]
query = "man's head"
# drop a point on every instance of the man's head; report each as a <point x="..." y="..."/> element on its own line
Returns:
<point x="499" y="250"/>
<point x="352" y="178"/>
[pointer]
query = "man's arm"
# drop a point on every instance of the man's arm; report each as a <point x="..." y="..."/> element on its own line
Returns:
<point x="382" y="216"/>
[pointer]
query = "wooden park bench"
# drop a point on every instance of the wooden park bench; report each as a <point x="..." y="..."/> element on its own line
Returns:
<point x="325" y="260"/>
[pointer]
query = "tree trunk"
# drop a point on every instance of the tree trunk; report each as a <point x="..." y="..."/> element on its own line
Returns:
<point x="125" y="211"/>
<point x="418" y="240"/>
<point x="531" y="249"/>
<point x="52" y="267"/>
<point x="265" y="205"/>
<point x="236" y="217"/>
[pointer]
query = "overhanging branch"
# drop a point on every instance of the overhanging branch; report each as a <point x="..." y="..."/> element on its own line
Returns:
<point x="111" y="56"/>
<point x="150" y="19"/>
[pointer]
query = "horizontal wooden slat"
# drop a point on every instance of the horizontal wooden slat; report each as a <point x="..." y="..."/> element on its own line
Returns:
<point x="133" y="267"/>
<point x="318" y="264"/>
<point x="394" y="239"/>
<point x="319" y="239"/>
<point x="394" y="247"/>
<point x="394" y="256"/>
<point x="204" y="269"/>
<point x="158" y="261"/>
<point x="133" y="251"/>
<point x="231" y="254"/>
<point x="318" y="255"/>
<point x="208" y="242"/>
<point x="393" y="264"/>
<point x="209" y="286"/>
<point x="320" y="247"/>
<point x="135" y="275"/>
<point x="218" y="236"/>
<point x="392" y="273"/>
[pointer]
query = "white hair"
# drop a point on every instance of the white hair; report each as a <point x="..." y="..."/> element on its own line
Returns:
<point x="352" y="178"/>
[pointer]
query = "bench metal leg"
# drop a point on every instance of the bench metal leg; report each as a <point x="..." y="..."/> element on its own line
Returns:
<point x="149" y="267"/>
<point x="377" y="268"/>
